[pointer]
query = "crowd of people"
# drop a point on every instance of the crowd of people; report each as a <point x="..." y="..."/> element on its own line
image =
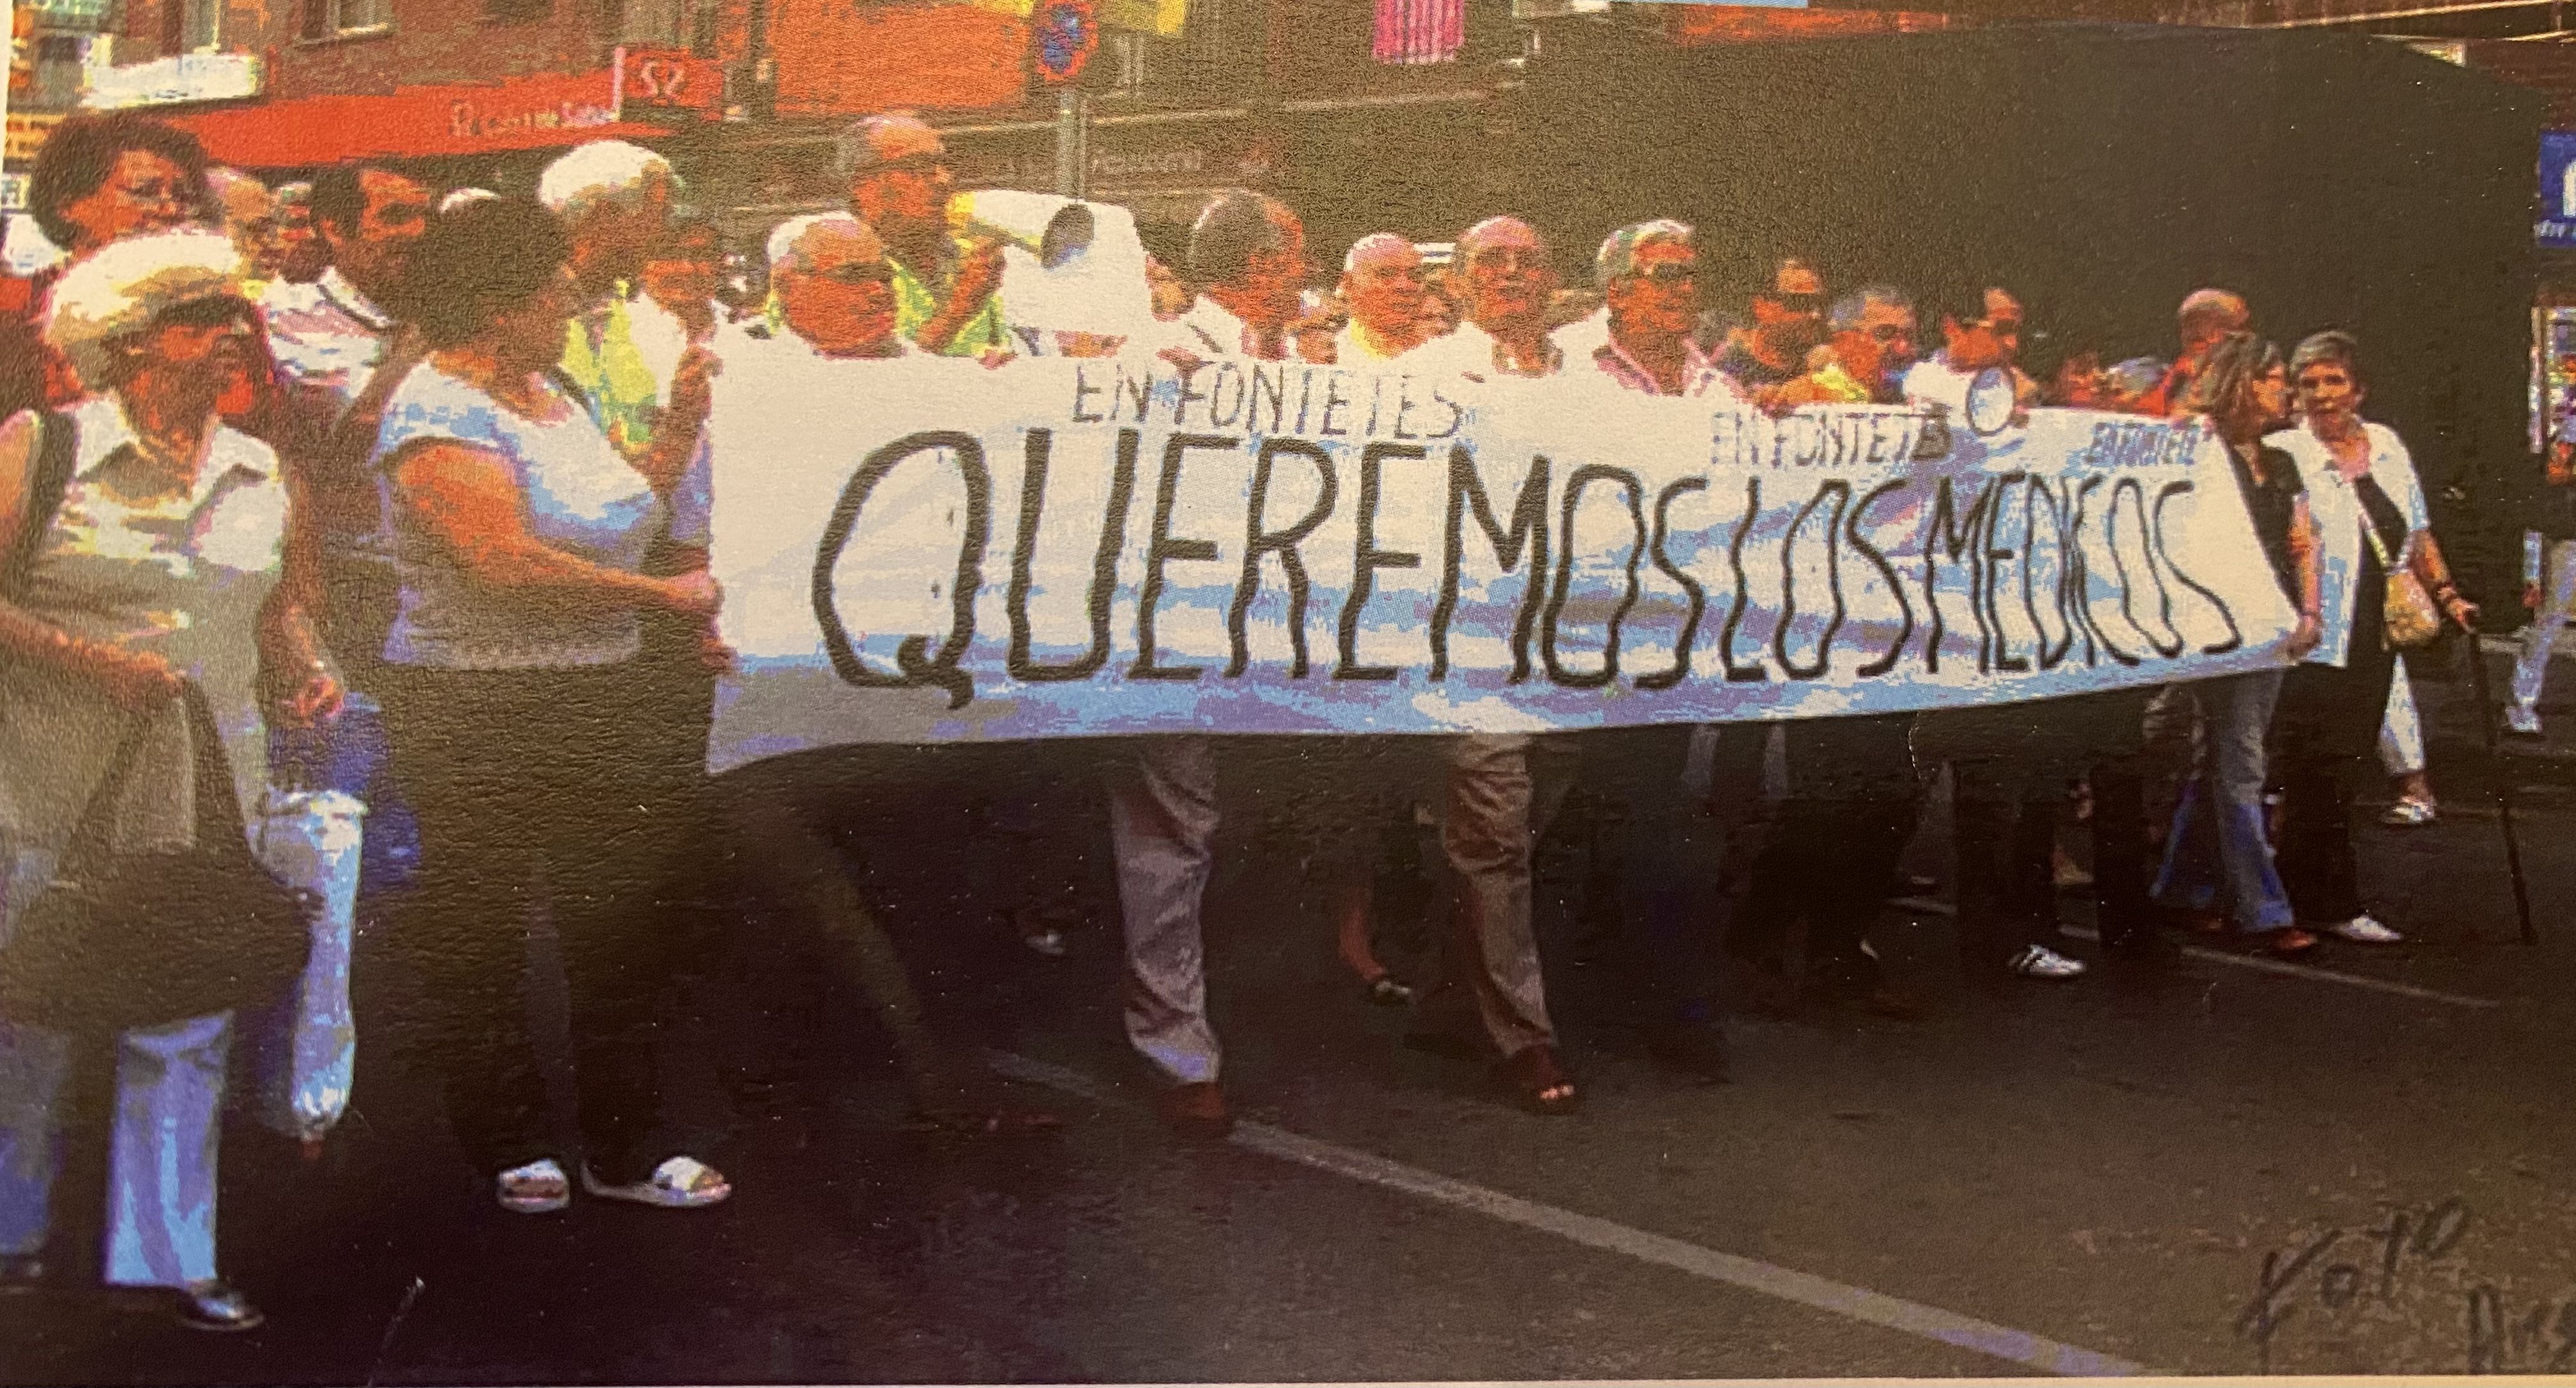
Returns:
<point x="427" y="470"/>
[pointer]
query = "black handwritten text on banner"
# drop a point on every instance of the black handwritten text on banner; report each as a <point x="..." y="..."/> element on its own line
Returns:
<point x="922" y="550"/>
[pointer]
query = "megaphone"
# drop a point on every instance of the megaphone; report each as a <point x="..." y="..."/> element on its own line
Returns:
<point x="1057" y="231"/>
<point x="1070" y="266"/>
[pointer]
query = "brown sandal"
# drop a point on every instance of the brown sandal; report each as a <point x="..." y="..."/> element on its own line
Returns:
<point x="1538" y="1083"/>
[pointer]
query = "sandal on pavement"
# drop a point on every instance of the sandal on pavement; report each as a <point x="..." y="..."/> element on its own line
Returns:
<point x="2408" y="813"/>
<point x="2365" y="930"/>
<point x="1538" y="1083"/>
<point x="681" y="1183"/>
<point x="2039" y="961"/>
<point x="539" y="1187"/>
<point x="1384" y="991"/>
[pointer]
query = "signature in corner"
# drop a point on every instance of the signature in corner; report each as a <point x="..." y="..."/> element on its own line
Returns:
<point x="2409" y="1237"/>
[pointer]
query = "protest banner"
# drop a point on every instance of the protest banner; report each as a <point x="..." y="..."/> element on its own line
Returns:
<point x="923" y="550"/>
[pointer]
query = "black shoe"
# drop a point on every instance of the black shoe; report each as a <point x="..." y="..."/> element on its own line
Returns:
<point x="214" y="1306"/>
<point x="1696" y="1049"/>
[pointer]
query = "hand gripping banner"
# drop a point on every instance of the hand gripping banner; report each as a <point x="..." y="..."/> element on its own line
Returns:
<point x="923" y="550"/>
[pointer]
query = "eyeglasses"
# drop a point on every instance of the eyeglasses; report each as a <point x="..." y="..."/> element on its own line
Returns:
<point x="854" y="273"/>
<point x="1507" y="258"/>
<point x="1667" y="273"/>
<point x="213" y="311"/>
<point x="1891" y="332"/>
<point x="1799" y="303"/>
<point x="160" y="192"/>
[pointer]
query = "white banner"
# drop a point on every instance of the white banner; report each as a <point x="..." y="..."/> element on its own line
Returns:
<point x="924" y="550"/>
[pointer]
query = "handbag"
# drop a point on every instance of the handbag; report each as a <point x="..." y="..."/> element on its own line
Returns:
<point x="120" y="941"/>
<point x="2407" y="612"/>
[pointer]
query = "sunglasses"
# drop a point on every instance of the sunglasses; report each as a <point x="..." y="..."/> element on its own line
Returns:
<point x="213" y="311"/>
<point x="1891" y="332"/>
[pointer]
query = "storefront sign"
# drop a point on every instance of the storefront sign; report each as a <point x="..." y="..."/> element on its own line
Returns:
<point x="1110" y="170"/>
<point x="667" y="79"/>
<point x="420" y="122"/>
<point x="167" y="81"/>
<point x="27" y="131"/>
<point x="2557" y="226"/>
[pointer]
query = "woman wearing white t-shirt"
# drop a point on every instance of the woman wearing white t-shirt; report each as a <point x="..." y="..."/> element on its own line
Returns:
<point x="2370" y="517"/>
<point x="521" y="714"/>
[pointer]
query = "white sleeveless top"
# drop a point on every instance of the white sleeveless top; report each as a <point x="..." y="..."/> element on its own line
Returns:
<point x="183" y="574"/>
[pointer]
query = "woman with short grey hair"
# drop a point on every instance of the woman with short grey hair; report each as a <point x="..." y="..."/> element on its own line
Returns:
<point x="2371" y="522"/>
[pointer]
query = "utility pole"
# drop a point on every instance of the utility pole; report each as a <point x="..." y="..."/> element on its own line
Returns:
<point x="1072" y="141"/>
<point x="1062" y="35"/>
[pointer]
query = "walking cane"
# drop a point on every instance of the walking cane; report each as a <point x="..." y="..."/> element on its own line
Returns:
<point x="2488" y="713"/>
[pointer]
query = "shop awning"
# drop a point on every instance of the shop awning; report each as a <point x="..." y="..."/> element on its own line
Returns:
<point x="540" y="112"/>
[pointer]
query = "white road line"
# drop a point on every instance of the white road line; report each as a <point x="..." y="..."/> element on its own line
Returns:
<point x="1936" y="906"/>
<point x="1854" y="1303"/>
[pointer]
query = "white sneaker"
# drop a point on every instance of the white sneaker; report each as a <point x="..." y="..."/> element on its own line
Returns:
<point x="539" y="1187"/>
<point x="2522" y="721"/>
<point x="2363" y="930"/>
<point x="2039" y="961"/>
<point x="682" y="1183"/>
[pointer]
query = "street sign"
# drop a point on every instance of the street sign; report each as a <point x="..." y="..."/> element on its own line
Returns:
<point x="1062" y="35"/>
<point x="2557" y="225"/>
<point x="13" y="192"/>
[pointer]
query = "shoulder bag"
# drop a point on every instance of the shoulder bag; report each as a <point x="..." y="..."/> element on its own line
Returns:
<point x="119" y="941"/>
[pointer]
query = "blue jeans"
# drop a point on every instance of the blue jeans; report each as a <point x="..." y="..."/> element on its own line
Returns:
<point x="2218" y="843"/>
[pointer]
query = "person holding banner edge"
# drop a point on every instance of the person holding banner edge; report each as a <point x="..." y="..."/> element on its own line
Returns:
<point x="2218" y="859"/>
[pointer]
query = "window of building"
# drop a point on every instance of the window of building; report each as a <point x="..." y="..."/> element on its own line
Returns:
<point x="653" y="23"/>
<point x="516" y="11"/>
<point x="191" y="26"/>
<point x="58" y="71"/>
<point x="327" y="18"/>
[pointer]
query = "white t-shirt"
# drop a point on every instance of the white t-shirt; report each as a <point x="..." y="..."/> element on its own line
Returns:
<point x="577" y="494"/>
<point x="2336" y="506"/>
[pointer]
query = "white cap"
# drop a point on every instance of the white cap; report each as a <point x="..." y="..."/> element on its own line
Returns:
<point x="124" y="285"/>
<point x="600" y="171"/>
<point x="783" y="239"/>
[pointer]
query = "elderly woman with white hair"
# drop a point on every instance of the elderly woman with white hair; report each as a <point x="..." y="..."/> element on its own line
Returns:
<point x="148" y="547"/>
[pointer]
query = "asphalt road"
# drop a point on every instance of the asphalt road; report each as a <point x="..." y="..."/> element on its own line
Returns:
<point x="2359" y="1167"/>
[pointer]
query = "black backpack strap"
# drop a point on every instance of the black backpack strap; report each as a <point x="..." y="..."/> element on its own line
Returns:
<point x="47" y="485"/>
